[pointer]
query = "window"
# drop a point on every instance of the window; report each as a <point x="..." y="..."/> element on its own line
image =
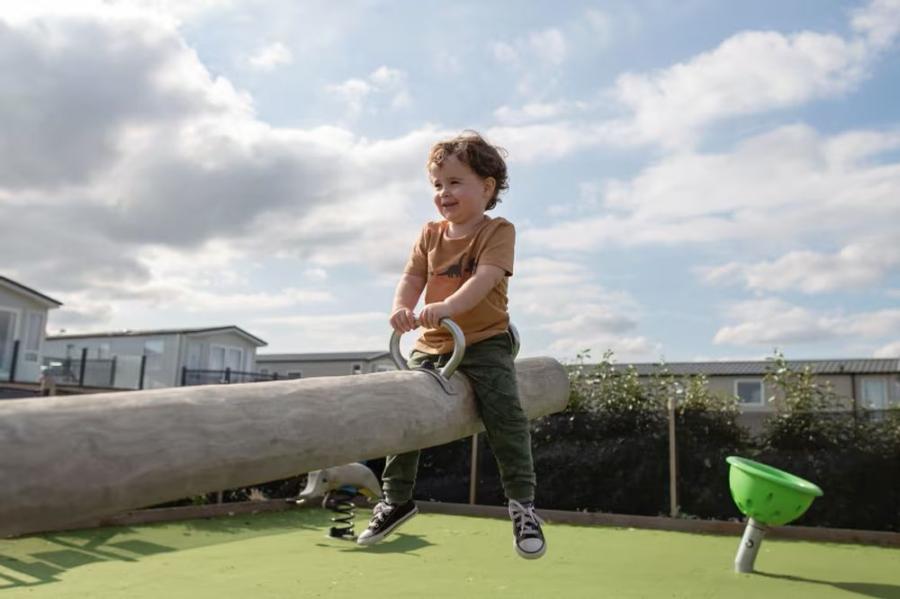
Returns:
<point x="34" y="325"/>
<point x="749" y="392"/>
<point x="357" y="369"/>
<point x="153" y="372"/>
<point x="222" y="357"/>
<point x="874" y="394"/>
<point x="7" y="334"/>
<point x="217" y="357"/>
<point x="295" y="374"/>
<point x="234" y="358"/>
<point x="194" y="355"/>
<point x="264" y="371"/>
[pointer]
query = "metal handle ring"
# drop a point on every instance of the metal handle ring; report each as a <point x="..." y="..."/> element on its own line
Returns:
<point x="516" y="340"/>
<point x="459" y="349"/>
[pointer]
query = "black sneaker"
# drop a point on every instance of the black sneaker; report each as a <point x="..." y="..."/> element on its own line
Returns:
<point x="528" y="537"/>
<point x="385" y="518"/>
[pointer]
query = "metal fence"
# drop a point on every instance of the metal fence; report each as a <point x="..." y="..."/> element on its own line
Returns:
<point x="118" y="372"/>
<point x="190" y="377"/>
<point x="589" y="462"/>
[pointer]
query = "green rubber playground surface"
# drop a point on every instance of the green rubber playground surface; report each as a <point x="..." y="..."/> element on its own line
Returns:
<point x="432" y="556"/>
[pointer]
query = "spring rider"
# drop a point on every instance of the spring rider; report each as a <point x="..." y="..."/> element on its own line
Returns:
<point x="768" y="497"/>
<point x="338" y="486"/>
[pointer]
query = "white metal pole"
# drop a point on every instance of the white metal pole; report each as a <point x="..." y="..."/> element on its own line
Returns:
<point x="750" y="542"/>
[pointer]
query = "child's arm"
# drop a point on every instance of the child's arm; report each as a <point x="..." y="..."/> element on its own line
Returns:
<point x="405" y="299"/>
<point x="465" y="298"/>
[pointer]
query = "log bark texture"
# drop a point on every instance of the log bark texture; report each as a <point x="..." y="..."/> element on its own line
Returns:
<point x="70" y="459"/>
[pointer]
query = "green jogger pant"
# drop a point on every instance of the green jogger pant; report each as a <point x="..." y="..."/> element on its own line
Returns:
<point x="489" y="367"/>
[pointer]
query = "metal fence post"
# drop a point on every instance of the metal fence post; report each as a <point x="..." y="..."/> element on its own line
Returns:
<point x="84" y="354"/>
<point x="15" y="362"/>
<point x="143" y="370"/>
<point x="673" y="462"/>
<point x="112" y="372"/>
<point x="473" y="470"/>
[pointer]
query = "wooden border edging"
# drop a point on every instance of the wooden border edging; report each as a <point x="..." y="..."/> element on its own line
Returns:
<point x="736" y="529"/>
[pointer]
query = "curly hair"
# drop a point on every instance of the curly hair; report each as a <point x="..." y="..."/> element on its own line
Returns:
<point x="472" y="150"/>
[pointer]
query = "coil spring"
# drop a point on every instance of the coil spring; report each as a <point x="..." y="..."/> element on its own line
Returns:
<point x="340" y="501"/>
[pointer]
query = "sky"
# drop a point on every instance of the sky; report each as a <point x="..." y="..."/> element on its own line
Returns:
<point x="699" y="180"/>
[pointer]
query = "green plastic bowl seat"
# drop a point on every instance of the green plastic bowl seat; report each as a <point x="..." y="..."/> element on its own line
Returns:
<point x="769" y="495"/>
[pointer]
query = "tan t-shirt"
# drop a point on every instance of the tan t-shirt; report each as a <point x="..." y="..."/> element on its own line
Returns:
<point x="448" y="263"/>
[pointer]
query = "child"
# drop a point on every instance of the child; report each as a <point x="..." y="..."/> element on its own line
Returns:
<point x="462" y="264"/>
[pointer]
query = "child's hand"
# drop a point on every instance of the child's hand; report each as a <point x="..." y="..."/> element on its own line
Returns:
<point x="403" y="320"/>
<point x="431" y="315"/>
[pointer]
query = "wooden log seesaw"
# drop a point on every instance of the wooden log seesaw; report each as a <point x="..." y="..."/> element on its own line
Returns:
<point x="65" y="460"/>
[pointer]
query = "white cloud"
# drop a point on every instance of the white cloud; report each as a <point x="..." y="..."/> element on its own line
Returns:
<point x="625" y="349"/>
<point x="549" y="45"/>
<point x="81" y="312"/>
<point x="536" y="112"/>
<point x="134" y="175"/>
<point x="604" y="27"/>
<point x="789" y="184"/>
<point x="878" y="21"/>
<point x="891" y="350"/>
<point x="748" y="73"/>
<point x="536" y="58"/>
<point x="270" y="56"/>
<point x="587" y="202"/>
<point x="316" y="274"/>
<point x="774" y="321"/>
<point x="540" y="142"/>
<point x="448" y="62"/>
<point x="854" y="268"/>
<point x="601" y="23"/>
<point x="168" y="12"/>
<point x="875" y="324"/>
<point x="361" y="95"/>
<point x="197" y="281"/>
<point x="545" y="47"/>
<point x="504" y="53"/>
<point x="562" y="300"/>
<point x="752" y="72"/>
<point x="359" y="331"/>
<point x="83" y="86"/>
<point x="352" y="92"/>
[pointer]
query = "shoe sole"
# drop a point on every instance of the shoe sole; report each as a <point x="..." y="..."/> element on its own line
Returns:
<point x="528" y="555"/>
<point x="372" y="540"/>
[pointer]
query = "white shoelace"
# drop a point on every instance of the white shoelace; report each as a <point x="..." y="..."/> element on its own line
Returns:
<point x="524" y="518"/>
<point x="382" y="510"/>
